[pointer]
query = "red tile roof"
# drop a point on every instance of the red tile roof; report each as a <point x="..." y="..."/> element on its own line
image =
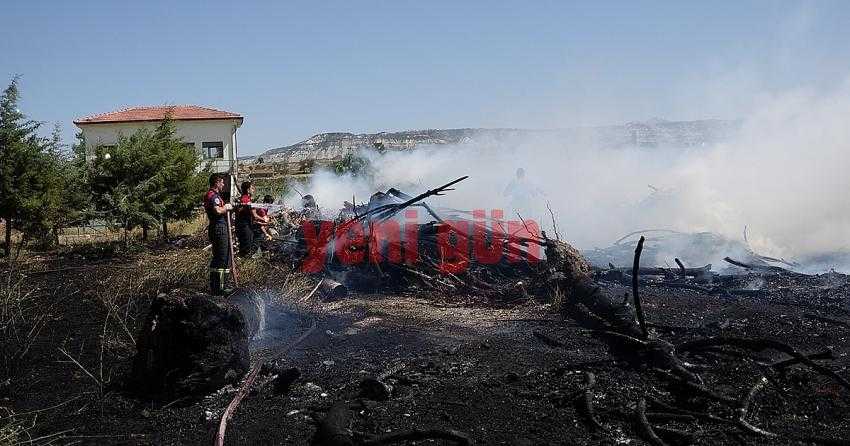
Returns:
<point x="158" y="113"/>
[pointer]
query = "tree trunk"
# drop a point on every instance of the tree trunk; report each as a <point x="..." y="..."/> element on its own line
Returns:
<point x="21" y="244"/>
<point x="7" y="248"/>
<point x="164" y="229"/>
<point x="144" y="232"/>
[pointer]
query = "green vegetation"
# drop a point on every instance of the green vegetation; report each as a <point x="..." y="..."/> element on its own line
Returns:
<point x="352" y="164"/>
<point x="148" y="179"/>
<point x="32" y="173"/>
<point x="276" y="187"/>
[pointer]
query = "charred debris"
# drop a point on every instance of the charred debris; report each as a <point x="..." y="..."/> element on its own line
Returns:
<point x="348" y="253"/>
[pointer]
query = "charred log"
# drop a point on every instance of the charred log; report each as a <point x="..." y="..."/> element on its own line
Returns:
<point x="646" y="428"/>
<point x="653" y="271"/>
<point x="571" y="274"/>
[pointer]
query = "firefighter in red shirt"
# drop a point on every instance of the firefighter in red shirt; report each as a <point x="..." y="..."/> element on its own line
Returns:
<point x="246" y="216"/>
<point x="217" y="213"/>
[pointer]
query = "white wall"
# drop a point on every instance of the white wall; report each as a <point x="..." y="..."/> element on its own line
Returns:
<point x="196" y="132"/>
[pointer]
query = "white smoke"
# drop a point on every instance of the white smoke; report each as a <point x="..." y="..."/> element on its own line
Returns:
<point x="784" y="176"/>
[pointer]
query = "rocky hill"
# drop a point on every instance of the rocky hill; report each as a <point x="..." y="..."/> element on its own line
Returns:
<point x="654" y="133"/>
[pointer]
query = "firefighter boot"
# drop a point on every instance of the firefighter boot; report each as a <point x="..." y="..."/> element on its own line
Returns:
<point x="225" y="290"/>
<point x="216" y="282"/>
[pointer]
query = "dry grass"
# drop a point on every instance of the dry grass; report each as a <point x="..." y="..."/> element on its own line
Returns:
<point x="193" y="226"/>
<point x="124" y="290"/>
<point x="558" y="299"/>
<point x="123" y="287"/>
<point x="23" y="315"/>
<point x="16" y="429"/>
<point x="83" y="235"/>
<point x="11" y="433"/>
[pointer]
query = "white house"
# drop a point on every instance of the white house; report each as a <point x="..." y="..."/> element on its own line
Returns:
<point x="211" y="132"/>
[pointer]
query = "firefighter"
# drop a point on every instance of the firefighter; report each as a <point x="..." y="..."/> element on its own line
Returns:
<point x="218" y="213"/>
<point x="523" y="194"/>
<point x="245" y="218"/>
<point x="261" y="224"/>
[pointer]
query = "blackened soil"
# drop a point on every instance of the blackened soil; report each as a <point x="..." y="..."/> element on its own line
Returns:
<point x="464" y="364"/>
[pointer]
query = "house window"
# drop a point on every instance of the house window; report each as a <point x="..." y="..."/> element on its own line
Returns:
<point x="213" y="149"/>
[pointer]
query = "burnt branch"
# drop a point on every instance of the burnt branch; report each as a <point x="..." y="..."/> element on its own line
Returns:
<point x="744" y="407"/>
<point x="585" y="402"/>
<point x="682" y="268"/>
<point x="759" y="345"/>
<point x="635" y="272"/>
<point x="646" y="428"/>
<point x="781" y="365"/>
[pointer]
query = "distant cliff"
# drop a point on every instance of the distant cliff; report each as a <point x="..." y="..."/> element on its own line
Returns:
<point x="655" y="133"/>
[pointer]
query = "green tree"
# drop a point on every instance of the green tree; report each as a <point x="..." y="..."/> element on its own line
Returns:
<point x="25" y="169"/>
<point x="182" y="182"/>
<point x="353" y="164"/>
<point x="66" y="202"/>
<point x="51" y="206"/>
<point x="147" y="179"/>
<point x="77" y="190"/>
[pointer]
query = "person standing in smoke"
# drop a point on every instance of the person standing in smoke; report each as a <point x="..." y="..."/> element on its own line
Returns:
<point x="218" y="212"/>
<point x="522" y="195"/>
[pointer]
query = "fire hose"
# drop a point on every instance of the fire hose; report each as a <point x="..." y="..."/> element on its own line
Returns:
<point x="230" y="251"/>
<point x="266" y="355"/>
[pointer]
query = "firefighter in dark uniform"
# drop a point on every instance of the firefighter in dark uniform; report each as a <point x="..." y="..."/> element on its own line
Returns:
<point x="217" y="213"/>
<point x="244" y="233"/>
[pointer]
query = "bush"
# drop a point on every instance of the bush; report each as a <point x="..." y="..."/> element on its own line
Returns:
<point x="354" y="165"/>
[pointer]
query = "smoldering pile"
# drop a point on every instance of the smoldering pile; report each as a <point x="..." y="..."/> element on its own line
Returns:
<point x="399" y="242"/>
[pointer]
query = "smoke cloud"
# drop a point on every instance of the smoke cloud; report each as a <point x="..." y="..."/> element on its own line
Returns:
<point x="783" y="176"/>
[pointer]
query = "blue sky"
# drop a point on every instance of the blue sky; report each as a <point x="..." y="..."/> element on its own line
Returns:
<point x="294" y="69"/>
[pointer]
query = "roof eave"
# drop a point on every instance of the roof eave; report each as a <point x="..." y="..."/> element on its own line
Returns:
<point x="119" y="121"/>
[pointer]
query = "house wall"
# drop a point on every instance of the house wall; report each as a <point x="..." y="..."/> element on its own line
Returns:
<point x="196" y="132"/>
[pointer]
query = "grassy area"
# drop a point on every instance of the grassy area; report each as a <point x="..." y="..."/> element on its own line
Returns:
<point x="81" y="235"/>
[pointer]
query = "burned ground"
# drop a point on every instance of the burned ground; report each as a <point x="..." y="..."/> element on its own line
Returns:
<point x="502" y="373"/>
